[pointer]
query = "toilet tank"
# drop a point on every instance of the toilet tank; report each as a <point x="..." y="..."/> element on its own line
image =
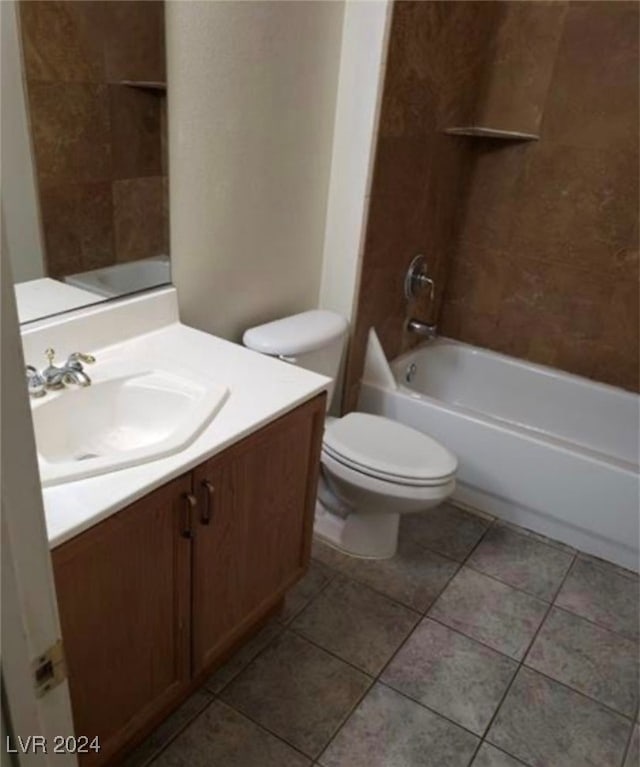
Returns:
<point x="314" y="340"/>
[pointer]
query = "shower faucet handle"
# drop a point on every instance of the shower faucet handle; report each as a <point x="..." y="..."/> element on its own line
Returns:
<point x="417" y="278"/>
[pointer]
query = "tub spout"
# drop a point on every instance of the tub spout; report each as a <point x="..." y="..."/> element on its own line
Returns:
<point x="422" y="329"/>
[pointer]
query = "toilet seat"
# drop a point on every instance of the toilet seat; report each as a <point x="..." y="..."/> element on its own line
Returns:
<point x="387" y="450"/>
<point x="356" y="471"/>
<point x="416" y="494"/>
<point x="381" y="477"/>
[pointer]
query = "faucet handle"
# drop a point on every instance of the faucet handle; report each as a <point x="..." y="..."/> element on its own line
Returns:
<point x="417" y="278"/>
<point x="52" y="374"/>
<point x="36" y="384"/>
<point x="76" y="358"/>
<point x="424" y="280"/>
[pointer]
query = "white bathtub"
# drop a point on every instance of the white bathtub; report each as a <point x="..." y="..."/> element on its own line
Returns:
<point x="121" y="279"/>
<point x="553" y="452"/>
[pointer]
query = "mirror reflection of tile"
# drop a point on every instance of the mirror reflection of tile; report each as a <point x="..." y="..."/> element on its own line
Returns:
<point x="95" y="85"/>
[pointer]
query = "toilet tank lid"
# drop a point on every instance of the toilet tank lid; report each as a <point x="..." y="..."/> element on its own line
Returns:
<point x="296" y="334"/>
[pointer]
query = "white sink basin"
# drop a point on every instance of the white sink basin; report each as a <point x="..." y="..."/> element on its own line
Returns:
<point x="120" y="422"/>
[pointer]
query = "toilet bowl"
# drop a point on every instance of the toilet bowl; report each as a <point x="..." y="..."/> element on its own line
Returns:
<point x="373" y="469"/>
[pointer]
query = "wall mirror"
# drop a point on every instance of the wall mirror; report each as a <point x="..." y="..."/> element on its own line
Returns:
<point x="84" y="150"/>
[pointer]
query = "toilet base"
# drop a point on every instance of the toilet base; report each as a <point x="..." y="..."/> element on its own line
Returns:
<point x="368" y="536"/>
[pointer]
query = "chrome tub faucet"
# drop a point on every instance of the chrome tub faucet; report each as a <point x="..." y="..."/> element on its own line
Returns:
<point x="422" y="328"/>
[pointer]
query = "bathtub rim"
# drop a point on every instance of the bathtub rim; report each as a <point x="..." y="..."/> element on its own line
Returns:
<point x="525" y="430"/>
<point x="547" y="370"/>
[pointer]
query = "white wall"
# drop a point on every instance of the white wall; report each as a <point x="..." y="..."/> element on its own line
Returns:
<point x="30" y="622"/>
<point x="364" y="51"/>
<point x="252" y="91"/>
<point x="19" y="199"/>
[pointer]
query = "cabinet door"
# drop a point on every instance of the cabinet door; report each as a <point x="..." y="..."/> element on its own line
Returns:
<point x="123" y="594"/>
<point x="253" y="534"/>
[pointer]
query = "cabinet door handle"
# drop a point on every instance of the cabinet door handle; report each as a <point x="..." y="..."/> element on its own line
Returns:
<point x="191" y="503"/>
<point x="207" y="507"/>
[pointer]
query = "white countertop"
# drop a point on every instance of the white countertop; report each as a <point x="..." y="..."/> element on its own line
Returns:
<point x="261" y="389"/>
<point x="39" y="298"/>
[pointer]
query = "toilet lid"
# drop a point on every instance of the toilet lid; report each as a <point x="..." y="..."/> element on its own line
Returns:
<point x="380" y="446"/>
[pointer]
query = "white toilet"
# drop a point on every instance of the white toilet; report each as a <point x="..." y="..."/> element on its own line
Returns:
<point x="373" y="469"/>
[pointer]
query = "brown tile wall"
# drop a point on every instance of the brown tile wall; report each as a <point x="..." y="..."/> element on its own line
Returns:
<point x="435" y="68"/>
<point x="546" y="261"/>
<point x="519" y="64"/>
<point x="99" y="146"/>
<point x="533" y="245"/>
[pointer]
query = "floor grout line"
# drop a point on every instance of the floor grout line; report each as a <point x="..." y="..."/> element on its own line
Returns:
<point x="506" y="583"/>
<point x="477" y="543"/>
<point x="551" y="601"/>
<point x="440" y="622"/>
<point x="433" y="550"/>
<point x="428" y="708"/>
<point x="521" y="663"/>
<point x="420" y="610"/>
<point x="345" y="719"/>
<point x="526" y="532"/>
<point x="604" y="564"/>
<point x="378" y="680"/>
<point x="284" y="626"/>
<point x="266" y="729"/>
<point x="288" y="628"/>
<point x="243" y="668"/>
<point x="485" y="516"/>
<point x="579" y="557"/>
<point x="357" y="582"/>
<point x="578" y="692"/>
<point x="300" y="635"/>
<point x="627" y="747"/>
<point x="601" y="626"/>
<point x="502" y="751"/>
<point x="313" y="597"/>
<point x="496" y="523"/>
<point x="161" y="749"/>
<point x="503" y="583"/>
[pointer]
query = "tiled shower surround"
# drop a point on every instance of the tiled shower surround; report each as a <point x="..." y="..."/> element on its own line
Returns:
<point x="478" y="644"/>
<point x="533" y="244"/>
<point x="545" y="265"/>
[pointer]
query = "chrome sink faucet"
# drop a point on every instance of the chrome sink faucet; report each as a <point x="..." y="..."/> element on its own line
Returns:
<point x="57" y="377"/>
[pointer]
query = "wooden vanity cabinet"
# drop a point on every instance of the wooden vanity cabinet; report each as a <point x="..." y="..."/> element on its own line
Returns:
<point x="123" y="590"/>
<point x="252" y="539"/>
<point x="155" y="596"/>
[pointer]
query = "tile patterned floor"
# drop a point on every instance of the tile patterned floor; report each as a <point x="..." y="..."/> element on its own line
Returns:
<point x="479" y="645"/>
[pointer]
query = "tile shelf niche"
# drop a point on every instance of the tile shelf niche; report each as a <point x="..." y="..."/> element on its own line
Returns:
<point x="481" y="131"/>
<point x="147" y="85"/>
